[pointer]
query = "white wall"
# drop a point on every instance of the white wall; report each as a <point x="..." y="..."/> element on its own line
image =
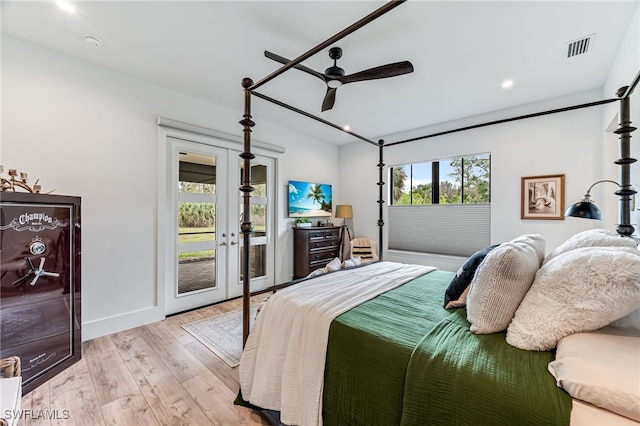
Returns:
<point x="90" y="132"/>
<point x="566" y="143"/>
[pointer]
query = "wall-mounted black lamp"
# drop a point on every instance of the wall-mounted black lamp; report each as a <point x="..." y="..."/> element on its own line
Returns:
<point x="586" y="208"/>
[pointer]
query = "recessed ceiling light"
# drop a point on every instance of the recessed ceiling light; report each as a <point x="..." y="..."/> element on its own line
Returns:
<point x="67" y="7"/>
<point x="507" y="83"/>
<point x="94" y="41"/>
<point x="347" y="128"/>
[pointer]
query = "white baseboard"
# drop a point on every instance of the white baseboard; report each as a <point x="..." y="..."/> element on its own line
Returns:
<point x="102" y="327"/>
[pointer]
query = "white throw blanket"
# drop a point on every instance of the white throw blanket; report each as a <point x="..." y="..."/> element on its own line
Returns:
<point x="282" y="366"/>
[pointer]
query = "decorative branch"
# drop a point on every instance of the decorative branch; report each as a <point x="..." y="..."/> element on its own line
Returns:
<point x="12" y="183"/>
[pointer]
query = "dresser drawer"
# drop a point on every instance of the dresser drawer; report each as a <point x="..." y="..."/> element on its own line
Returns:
<point x="323" y="235"/>
<point x="321" y="256"/>
<point x="323" y="244"/>
<point x="315" y="235"/>
<point x="333" y="234"/>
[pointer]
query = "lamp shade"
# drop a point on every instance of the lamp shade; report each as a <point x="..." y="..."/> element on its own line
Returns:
<point x="344" y="211"/>
<point x="585" y="210"/>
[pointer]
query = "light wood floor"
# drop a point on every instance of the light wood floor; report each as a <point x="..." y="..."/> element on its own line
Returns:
<point x="156" y="374"/>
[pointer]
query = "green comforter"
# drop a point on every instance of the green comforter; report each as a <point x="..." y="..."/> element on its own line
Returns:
<point x="401" y="359"/>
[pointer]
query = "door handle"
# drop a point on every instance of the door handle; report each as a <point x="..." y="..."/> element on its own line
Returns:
<point x="224" y="243"/>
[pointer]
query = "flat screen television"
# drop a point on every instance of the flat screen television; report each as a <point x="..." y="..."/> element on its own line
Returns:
<point x="308" y="199"/>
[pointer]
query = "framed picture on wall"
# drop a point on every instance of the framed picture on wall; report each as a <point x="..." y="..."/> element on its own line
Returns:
<point x="542" y="197"/>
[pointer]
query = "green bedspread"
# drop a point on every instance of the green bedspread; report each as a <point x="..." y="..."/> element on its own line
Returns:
<point x="402" y="359"/>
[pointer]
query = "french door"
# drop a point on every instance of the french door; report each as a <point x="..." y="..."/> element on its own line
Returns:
<point x="203" y="255"/>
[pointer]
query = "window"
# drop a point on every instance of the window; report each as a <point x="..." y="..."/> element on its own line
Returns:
<point x="461" y="180"/>
<point x="441" y="207"/>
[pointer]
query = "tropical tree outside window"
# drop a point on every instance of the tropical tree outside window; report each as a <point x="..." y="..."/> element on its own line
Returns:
<point x="461" y="180"/>
<point x="196" y="219"/>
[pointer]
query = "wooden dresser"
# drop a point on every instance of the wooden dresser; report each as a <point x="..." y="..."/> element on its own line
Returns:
<point x="313" y="248"/>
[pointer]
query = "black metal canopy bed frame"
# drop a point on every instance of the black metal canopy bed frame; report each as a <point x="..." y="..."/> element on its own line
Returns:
<point x="624" y="130"/>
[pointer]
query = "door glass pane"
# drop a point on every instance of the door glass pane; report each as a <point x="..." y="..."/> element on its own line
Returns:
<point x="196" y="273"/>
<point x="258" y="198"/>
<point x="257" y="261"/>
<point x="258" y="179"/>
<point x="196" y="222"/>
<point x="259" y="219"/>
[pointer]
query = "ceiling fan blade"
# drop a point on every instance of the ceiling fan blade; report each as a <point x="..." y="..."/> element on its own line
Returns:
<point x="329" y="98"/>
<point x="285" y="61"/>
<point x="383" y="71"/>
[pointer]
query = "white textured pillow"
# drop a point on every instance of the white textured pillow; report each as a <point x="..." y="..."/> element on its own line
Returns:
<point x="601" y="368"/>
<point x="537" y="242"/>
<point x="350" y="263"/>
<point x="501" y="282"/>
<point x="580" y="290"/>
<point x="334" y="265"/>
<point x="591" y="238"/>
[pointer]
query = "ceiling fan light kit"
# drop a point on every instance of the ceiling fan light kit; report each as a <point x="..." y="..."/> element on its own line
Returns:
<point x="334" y="76"/>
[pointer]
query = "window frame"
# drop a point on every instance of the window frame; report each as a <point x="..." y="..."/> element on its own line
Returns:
<point x="435" y="178"/>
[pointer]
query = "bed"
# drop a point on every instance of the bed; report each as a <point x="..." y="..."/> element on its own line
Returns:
<point x="396" y="356"/>
<point x="351" y="347"/>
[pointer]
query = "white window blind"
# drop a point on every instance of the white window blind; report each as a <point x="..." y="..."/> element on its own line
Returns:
<point x="449" y="229"/>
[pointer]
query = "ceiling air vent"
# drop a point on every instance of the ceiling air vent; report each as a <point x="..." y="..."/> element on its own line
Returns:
<point x="580" y="46"/>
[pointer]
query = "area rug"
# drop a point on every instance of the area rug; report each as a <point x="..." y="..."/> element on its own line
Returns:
<point x="222" y="334"/>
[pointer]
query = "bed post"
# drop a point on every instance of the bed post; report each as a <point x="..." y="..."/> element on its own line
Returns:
<point x="380" y="196"/>
<point x="246" y="226"/>
<point x="626" y="191"/>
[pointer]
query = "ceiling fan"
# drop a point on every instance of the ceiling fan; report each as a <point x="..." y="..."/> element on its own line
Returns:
<point x="334" y="76"/>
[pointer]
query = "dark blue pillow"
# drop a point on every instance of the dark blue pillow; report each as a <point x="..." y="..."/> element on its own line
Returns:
<point x="463" y="278"/>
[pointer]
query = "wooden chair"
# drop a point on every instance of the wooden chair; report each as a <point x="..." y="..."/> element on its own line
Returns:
<point x="365" y="249"/>
<point x="10" y="390"/>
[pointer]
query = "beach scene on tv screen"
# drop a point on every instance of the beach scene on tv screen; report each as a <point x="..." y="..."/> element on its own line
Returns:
<point x="308" y="199"/>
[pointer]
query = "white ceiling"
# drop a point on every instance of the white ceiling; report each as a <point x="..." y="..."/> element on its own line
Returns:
<point x="461" y="52"/>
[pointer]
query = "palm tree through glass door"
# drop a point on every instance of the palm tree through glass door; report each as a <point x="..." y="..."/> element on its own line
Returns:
<point x="196" y="222"/>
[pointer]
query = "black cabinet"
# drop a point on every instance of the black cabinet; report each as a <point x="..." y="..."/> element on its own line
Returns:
<point x="40" y="302"/>
<point x="313" y="248"/>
